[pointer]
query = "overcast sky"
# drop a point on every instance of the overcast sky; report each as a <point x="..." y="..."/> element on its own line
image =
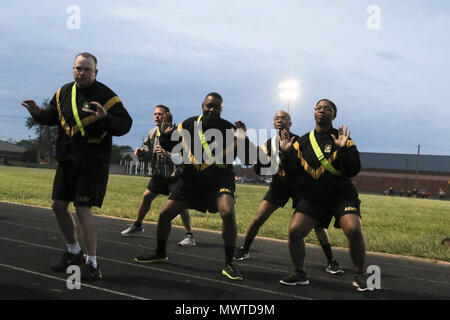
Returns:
<point x="384" y="63"/>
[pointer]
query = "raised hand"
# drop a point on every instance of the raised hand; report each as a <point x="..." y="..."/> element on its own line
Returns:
<point x="166" y="123"/>
<point x="32" y="107"/>
<point x="341" y="141"/>
<point x="286" y="142"/>
<point x="139" y="152"/>
<point x="241" y="130"/>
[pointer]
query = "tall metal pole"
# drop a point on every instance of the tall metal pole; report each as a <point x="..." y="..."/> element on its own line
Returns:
<point x="417" y="163"/>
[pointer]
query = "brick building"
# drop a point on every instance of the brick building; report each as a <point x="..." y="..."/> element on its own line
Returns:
<point x="403" y="172"/>
<point x="383" y="170"/>
<point x="10" y="152"/>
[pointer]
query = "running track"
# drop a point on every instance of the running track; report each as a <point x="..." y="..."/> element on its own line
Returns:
<point x="30" y="241"/>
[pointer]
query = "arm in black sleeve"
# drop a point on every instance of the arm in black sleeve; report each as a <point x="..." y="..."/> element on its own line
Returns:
<point x="117" y="120"/>
<point x="48" y="116"/>
<point x="251" y="152"/>
<point x="291" y="162"/>
<point x="264" y="159"/>
<point x="165" y="139"/>
<point x="349" y="161"/>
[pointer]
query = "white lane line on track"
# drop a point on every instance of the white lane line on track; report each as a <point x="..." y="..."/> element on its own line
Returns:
<point x="64" y="280"/>
<point x="168" y="271"/>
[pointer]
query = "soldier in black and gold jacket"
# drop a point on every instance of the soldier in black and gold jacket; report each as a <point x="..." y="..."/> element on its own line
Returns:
<point x="210" y="144"/>
<point x="281" y="189"/>
<point x="325" y="160"/>
<point x="87" y="114"/>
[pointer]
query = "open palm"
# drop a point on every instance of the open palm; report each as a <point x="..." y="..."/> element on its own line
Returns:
<point x="342" y="139"/>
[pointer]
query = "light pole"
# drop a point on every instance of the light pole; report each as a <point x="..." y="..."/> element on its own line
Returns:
<point x="288" y="91"/>
<point x="417" y="164"/>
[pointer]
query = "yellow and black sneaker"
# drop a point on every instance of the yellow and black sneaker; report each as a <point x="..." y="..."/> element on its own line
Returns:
<point x="231" y="272"/>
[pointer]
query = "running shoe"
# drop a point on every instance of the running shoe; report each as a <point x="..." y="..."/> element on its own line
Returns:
<point x="297" y="278"/>
<point x="89" y="273"/>
<point x="360" y="282"/>
<point x="188" y="241"/>
<point x="149" y="258"/>
<point x="231" y="271"/>
<point x="334" y="267"/>
<point x="241" y="254"/>
<point x="131" y="229"/>
<point x="67" y="259"/>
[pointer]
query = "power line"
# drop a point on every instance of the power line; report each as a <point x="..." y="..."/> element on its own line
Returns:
<point x="9" y="116"/>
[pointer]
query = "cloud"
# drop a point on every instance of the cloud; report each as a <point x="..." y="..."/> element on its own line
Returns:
<point x="390" y="57"/>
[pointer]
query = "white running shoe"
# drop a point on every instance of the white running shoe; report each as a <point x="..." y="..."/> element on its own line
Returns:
<point x="131" y="229"/>
<point x="188" y="241"/>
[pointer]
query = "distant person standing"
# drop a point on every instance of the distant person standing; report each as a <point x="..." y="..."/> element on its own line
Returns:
<point x="87" y="114"/>
<point x="442" y="194"/>
<point x="163" y="178"/>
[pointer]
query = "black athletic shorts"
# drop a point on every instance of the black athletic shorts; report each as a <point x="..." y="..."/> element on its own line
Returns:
<point x="161" y="185"/>
<point x="280" y="194"/>
<point x="82" y="187"/>
<point x="323" y="213"/>
<point x="202" y="194"/>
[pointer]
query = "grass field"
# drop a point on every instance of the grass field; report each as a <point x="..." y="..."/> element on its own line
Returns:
<point x="406" y="226"/>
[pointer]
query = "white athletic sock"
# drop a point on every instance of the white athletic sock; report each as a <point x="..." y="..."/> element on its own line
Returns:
<point x="74" y="248"/>
<point x="93" y="260"/>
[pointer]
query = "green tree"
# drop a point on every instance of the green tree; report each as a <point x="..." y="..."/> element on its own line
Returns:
<point x="46" y="136"/>
<point x="31" y="154"/>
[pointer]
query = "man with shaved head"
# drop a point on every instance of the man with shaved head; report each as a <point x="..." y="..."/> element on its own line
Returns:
<point x="281" y="189"/>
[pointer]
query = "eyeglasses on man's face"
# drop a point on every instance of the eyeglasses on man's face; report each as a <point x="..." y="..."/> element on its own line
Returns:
<point x="323" y="108"/>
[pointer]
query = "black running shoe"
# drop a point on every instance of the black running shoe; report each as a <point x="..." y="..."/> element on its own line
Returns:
<point x="67" y="259"/>
<point x="360" y="282"/>
<point x="89" y="273"/>
<point x="297" y="278"/>
<point x="231" y="272"/>
<point x="241" y="254"/>
<point x="334" y="267"/>
<point x="148" y="258"/>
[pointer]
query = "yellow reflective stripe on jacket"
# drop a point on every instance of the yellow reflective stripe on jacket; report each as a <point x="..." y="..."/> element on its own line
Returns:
<point x="350" y="143"/>
<point x="205" y="146"/>
<point x="98" y="139"/>
<point x="111" y="102"/>
<point x="75" y="109"/>
<point x="203" y="139"/>
<point x="320" y="155"/>
<point x="71" y="131"/>
<point x="64" y="124"/>
<point x="92" y="118"/>
<point x="313" y="173"/>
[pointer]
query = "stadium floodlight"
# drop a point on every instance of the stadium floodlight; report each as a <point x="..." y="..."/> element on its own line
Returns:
<point x="288" y="91"/>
